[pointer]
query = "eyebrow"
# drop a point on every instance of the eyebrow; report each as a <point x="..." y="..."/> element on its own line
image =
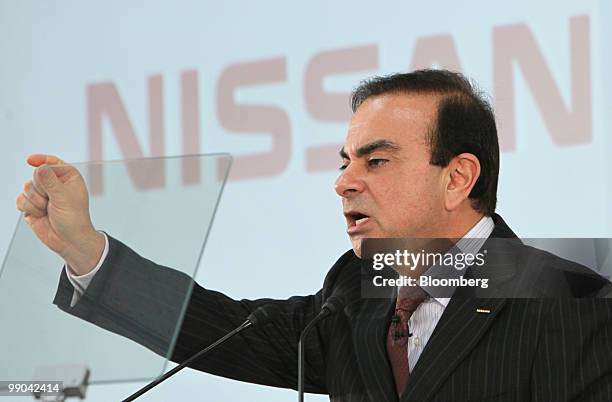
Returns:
<point x="376" y="145"/>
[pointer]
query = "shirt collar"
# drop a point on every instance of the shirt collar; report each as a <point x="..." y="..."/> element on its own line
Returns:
<point x="471" y="243"/>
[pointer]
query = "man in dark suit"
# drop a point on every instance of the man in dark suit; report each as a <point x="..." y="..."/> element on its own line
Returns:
<point x="421" y="159"/>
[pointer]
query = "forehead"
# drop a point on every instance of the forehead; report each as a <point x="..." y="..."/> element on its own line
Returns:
<point x="400" y="118"/>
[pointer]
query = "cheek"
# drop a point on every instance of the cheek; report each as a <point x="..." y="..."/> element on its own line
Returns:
<point x="408" y="203"/>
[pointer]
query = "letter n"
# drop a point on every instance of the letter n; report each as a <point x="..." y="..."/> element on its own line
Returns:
<point x="566" y="125"/>
<point x="103" y="100"/>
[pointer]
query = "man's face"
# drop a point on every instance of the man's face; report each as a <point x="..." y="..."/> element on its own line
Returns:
<point x="388" y="187"/>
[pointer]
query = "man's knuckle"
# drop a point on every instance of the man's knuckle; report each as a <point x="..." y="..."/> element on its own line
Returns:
<point x="34" y="203"/>
<point x="41" y="202"/>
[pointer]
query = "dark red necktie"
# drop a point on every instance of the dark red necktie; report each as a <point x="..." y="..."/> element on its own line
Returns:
<point x="397" y="337"/>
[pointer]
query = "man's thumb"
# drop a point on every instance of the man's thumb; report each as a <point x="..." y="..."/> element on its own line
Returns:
<point x="48" y="180"/>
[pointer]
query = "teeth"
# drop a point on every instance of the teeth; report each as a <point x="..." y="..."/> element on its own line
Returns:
<point x="359" y="221"/>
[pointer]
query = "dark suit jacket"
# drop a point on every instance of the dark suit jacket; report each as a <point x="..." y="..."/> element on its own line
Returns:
<point x="547" y="349"/>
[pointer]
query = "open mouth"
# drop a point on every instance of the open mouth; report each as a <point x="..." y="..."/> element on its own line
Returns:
<point x="356" y="220"/>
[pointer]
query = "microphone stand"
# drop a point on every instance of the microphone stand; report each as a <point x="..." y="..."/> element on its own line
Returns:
<point x="184" y="364"/>
<point x="331" y="306"/>
<point x="260" y="316"/>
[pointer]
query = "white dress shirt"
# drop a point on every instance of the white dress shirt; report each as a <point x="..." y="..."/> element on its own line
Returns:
<point x="422" y="322"/>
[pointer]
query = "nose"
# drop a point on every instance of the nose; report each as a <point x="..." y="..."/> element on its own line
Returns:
<point x="349" y="183"/>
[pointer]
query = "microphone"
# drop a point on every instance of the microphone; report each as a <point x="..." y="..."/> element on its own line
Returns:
<point x="329" y="308"/>
<point x="261" y="316"/>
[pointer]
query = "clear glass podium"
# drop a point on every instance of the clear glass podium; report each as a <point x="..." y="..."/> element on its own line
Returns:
<point x="162" y="208"/>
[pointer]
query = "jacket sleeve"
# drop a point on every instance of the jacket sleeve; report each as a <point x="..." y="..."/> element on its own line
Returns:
<point x="138" y="299"/>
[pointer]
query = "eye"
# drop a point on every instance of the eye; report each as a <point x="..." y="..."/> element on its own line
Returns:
<point x="344" y="166"/>
<point x="377" y="162"/>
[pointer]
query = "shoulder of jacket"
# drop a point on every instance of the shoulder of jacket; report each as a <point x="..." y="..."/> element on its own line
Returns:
<point x="343" y="277"/>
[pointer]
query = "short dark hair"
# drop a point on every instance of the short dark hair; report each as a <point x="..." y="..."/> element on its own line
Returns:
<point x="465" y="123"/>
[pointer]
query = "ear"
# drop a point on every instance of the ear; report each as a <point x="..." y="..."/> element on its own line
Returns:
<point x="461" y="175"/>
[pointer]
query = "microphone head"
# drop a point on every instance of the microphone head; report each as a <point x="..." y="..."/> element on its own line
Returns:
<point x="264" y="314"/>
<point x="333" y="304"/>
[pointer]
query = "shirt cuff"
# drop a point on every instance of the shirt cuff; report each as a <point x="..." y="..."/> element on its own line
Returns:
<point x="81" y="282"/>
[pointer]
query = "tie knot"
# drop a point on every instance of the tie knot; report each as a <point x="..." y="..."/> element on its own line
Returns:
<point x="408" y="305"/>
<point x="409" y="298"/>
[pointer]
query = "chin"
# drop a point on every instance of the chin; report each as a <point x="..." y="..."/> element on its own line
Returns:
<point x="357" y="247"/>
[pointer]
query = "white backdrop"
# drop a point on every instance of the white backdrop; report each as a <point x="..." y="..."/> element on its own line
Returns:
<point x="194" y="65"/>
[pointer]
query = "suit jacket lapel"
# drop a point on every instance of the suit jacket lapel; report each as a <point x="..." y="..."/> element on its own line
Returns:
<point x="457" y="333"/>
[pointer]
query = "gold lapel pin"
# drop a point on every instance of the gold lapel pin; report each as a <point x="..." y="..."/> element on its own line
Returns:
<point x="483" y="310"/>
